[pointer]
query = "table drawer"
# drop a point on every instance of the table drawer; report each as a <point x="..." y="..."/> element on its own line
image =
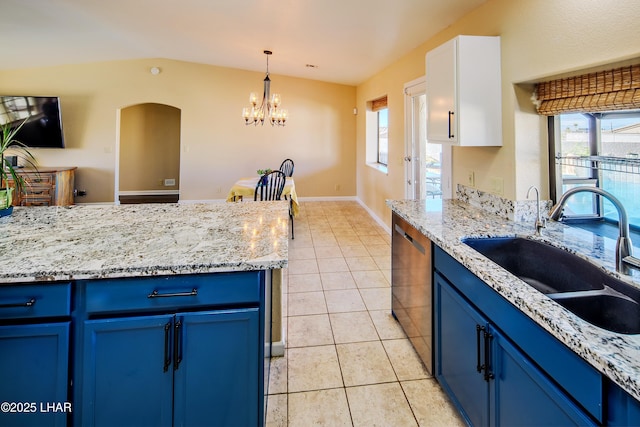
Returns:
<point x="173" y="292"/>
<point x="31" y="301"/>
<point x="38" y="178"/>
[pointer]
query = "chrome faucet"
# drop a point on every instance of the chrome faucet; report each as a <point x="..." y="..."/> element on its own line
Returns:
<point x="540" y="223"/>
<point x="624" y="246"/>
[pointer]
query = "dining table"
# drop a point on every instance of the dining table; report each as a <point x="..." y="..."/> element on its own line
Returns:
<point x="246" y="187"/>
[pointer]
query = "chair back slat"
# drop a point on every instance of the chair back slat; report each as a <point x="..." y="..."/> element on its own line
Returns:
<point x="287" y="167"/>
<point x="270" y="186"/>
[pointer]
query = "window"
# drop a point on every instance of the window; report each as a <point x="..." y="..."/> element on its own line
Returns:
<point x="600" y="150"/>
<point x="377" y="123"/>
<point x="383" y="136"/>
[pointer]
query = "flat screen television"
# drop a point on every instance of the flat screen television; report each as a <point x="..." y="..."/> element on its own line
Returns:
<point x="43" y="126"/>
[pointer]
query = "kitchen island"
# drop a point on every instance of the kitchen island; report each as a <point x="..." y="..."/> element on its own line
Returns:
<point x="613" y="356"/>
<point x="151" y="314"/>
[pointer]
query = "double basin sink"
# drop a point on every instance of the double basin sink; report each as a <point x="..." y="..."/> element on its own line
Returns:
<point x="574" y="283"/>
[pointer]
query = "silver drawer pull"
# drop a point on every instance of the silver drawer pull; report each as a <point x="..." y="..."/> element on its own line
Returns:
<point x="29" y="303"/>
<point x="155" y="294"/>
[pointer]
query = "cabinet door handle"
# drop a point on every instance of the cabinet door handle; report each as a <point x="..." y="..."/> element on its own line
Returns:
<point x="156" y="294"/>
<point x="451" y="113"/>
<point x="167" y="346"/>
<point x="29" y="303"/>
<point x="177" y="356"/>
<point x="488" y="375"/>
<point x="479" y="365"/>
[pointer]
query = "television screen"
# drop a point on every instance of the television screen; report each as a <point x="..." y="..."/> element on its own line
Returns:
<point x="43" y="126"/>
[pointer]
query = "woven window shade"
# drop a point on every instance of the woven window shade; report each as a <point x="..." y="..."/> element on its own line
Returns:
<point x="379" y="104"/>
<point x="611" y="90"/>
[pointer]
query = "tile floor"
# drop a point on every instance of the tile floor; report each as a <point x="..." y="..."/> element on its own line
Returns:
<point x="347" y="362"/>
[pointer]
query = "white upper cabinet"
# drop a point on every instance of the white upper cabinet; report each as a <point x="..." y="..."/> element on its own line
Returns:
<point x="464" y="97"/>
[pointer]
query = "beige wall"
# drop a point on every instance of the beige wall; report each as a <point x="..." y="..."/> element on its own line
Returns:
<point x="149" y="147"/>
<point x="539" y="39"/>
<point x="216" y="146"/>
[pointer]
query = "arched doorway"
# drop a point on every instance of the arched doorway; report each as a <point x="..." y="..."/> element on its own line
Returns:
<point x="149" y="154"/>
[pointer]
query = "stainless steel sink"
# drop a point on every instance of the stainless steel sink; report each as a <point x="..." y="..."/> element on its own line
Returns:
<point x="576" y="284"/>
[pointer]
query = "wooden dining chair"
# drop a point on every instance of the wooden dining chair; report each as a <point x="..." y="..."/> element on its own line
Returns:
<point x="287" y="167"/>
<point x="270" y="186"/>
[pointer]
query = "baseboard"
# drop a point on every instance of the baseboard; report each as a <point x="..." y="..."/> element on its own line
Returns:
<point x="148" y="192"/>
<point x="374" y="216"/>
<point x="277" y="349"/>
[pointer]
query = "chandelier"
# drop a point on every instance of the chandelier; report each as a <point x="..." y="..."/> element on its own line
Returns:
<point x="269" y="108"/>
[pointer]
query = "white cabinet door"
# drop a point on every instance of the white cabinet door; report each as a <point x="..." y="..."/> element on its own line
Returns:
<point x="464" y="98"/>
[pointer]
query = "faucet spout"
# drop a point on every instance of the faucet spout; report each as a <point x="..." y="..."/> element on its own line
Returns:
<point x="624" y="246"/>
<point x="539" y="224"/>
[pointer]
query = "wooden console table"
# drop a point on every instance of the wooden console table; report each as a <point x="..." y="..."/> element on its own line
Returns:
<point x="46" y="186"/>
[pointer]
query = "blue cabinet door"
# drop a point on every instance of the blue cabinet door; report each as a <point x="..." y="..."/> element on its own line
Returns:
<point x="34" y="362"/>
<point x="522" y="395"/>
<point x="127" y="373"/>
<point x="217" y="378"/>
<point x="459" y="353"/>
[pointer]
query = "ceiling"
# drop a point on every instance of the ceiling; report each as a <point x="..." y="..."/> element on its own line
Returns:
<point x="347" y="40"/>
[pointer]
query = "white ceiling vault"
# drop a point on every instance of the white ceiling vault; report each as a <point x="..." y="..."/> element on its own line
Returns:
<point x="348" y="40"/>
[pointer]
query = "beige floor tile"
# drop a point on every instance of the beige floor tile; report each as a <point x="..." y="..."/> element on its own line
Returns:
<point x="388" y="328"/>
<point x="302" y="253"/>
<point x="348" y="240"/>
<point x="354" y="250"/>
<point x="377" y="298"/>
<point x="319" y="408"/>
<point x="278" y="375"/>
<point x="361" y="263"/>
<point x="313" y="368"/>
<point x="327" y="251"/>
<point x="364" y="363"/>
<point x="430" y="405"/>
<point x="303" y="266"/>
<point x="404" y="360"/>
<point x="304" y="283"/>
<point x="380" y="405"/>
<point x="302" y="240"/>
<point x="304" y="331"/>
<point x="370" y="279"/>
<point x="339" y="280"/>
<point x="324" y="240"/>
<point x="373" y="239"/>
<point x="276" y="410"/>
<point x="303" y="303"/>
<point x="332" y="265"/>
<point x="379" y="250"/>
<point x="383" y="262"/>
<point x="352" y="327"/>
<point x="344" y="300"/>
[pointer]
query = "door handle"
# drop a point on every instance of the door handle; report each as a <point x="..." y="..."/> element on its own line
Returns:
<point x="177" y="351"/>
<point x="156" y="294"/>
<point x="451" y="113"/>
<point x="488" y="375"/>
<point x="479" y="365"/>
<point x="167" y="346"/>
<point x="29" y="303"/>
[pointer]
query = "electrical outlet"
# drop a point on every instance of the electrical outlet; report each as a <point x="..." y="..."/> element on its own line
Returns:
<point x="497" y="185"/>
<point x="471" y="179"/>
<point x="338" y="187"/>
<point x="219" y="190"/>
<point x="169" y="182"/>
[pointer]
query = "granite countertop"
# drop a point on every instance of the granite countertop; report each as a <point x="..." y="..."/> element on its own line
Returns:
<point x="613" y="354"/>
<point x="108" y="241"/>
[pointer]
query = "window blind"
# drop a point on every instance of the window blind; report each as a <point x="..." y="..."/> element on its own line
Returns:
<point x="617" y="89"/>
<point x="379" y="104"/>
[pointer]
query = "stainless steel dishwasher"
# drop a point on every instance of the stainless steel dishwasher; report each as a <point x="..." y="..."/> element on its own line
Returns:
<point x="411" y="284"/>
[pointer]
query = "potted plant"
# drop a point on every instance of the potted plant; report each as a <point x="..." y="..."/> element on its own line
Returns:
<point x="9" y="144"/>
<point x="262" y="172"/>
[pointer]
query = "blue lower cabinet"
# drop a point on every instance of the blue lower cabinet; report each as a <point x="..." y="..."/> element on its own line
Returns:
<point x="34" y="360"/>
<point x="459" y="351"/>
<point x="184" y="369"/>
<point x="215" y="382"/>
<point x="492" y="382"/>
